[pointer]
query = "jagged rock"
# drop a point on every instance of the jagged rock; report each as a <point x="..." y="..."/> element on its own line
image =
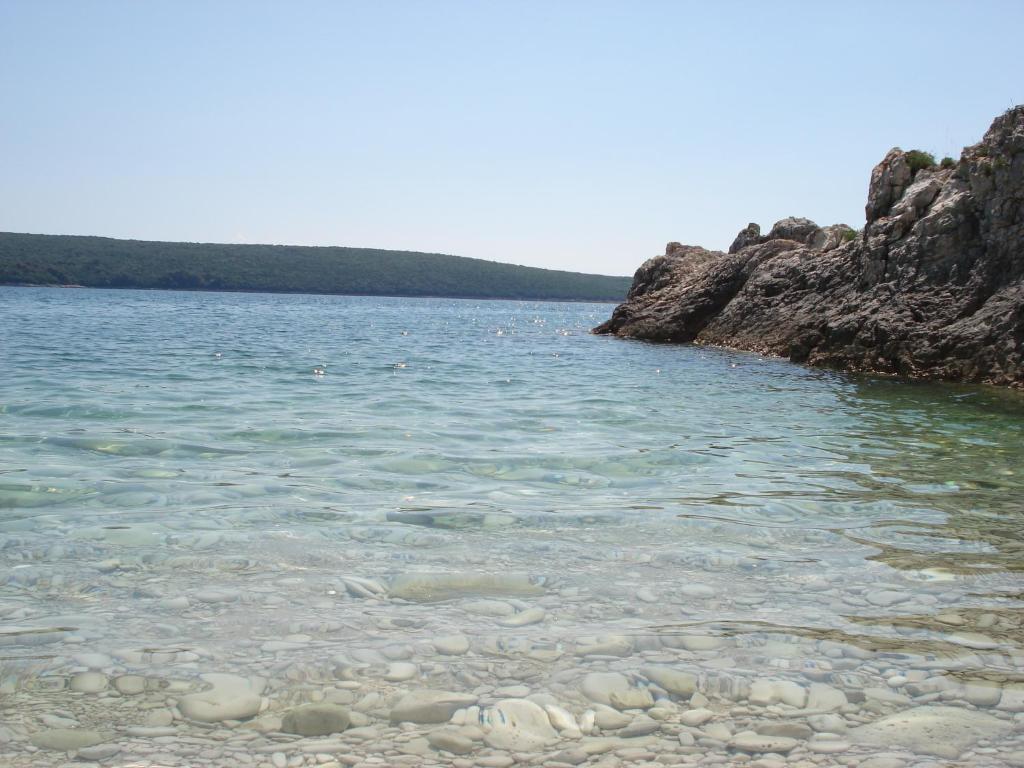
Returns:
<point x="837" y="234"/>
<point x="888" y="180"/>
<point x="798" y="230"/>
<point x="933" y="287"/>
<point x="749" y="235"/>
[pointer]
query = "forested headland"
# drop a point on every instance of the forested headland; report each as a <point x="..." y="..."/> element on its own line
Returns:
<point x="102" y="262"/>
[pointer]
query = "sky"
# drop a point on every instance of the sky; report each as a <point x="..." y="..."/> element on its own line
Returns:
<point x="562" y="134"/>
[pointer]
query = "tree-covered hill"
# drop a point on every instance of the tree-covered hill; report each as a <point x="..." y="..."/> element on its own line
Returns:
<point x="102" y="262"/>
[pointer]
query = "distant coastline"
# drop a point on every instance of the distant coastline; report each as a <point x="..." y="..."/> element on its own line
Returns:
<point x="30" y="260"/>
<point x="311" y="293"/>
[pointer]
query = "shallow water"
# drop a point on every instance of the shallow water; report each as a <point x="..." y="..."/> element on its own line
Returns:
<point x="500" y="504"/>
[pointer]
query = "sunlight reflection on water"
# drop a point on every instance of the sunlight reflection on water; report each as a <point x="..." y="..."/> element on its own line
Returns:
<point x="309" y="490"/>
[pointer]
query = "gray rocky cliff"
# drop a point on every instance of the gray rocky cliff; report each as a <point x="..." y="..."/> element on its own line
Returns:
<point x="932" y="287"/>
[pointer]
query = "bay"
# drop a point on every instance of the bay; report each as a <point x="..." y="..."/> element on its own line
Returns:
<point x="350" y="498"/>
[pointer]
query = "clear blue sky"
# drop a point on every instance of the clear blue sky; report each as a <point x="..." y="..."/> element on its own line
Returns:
<point x="574" y="135"/>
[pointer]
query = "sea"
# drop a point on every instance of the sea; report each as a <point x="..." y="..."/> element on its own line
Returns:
<point x="436" y="518"/>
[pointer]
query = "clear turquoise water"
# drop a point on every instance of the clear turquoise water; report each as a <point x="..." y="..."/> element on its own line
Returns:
<point x="162" y="445"/>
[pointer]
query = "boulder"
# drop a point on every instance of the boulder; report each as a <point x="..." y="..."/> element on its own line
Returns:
<point x="450" y="740"/>
<point x="428" y="706"/>
<point x="517" y="725"/>
<point x="615" y="690"/>
<point x="316" y="720"/>
<point x="67" y="739"/>
<point x="797" y="230"/>
<point x="230" y="697"/>
<point x="941" y="731"/>
<point x="766" y="692"/>
<point x="674" y="681"/>
<point x="432" y="587"/>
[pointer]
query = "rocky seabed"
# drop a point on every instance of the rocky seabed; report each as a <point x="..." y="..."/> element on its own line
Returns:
<point x="424" y="655"/>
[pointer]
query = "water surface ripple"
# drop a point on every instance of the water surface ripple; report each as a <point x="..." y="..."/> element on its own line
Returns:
<point x="483" y="498"/>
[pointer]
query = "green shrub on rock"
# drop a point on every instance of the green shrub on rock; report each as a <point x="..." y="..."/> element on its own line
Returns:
<point x="919" y="160"/>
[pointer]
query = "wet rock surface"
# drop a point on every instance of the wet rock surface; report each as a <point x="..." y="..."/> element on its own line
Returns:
<point x="932" y="287"/>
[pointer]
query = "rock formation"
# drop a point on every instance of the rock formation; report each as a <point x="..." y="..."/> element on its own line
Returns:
<point x="933" y="286"/>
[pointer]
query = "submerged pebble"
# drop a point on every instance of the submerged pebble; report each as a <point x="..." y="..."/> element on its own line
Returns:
<point x="386" y="571"/>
